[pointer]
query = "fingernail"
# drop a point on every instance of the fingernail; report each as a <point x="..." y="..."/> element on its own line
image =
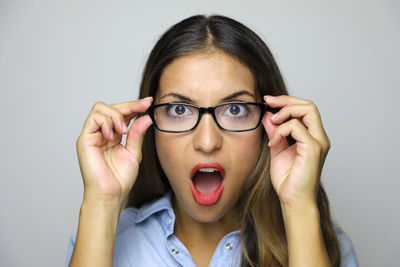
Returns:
<point x="274" y="117"/>
<point x="147" y="99"/>
<point x="124" y="127"/>
<point x="269" y="97"/>
<point x="270" y="142"/>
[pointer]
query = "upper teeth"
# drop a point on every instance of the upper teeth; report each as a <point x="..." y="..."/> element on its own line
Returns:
<point x="208" y="170"/>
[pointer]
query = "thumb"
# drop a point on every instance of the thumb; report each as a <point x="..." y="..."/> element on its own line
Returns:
<point x="270" y="129"/>
<point x="134" y="140"/>
<point x="268" y="125"/>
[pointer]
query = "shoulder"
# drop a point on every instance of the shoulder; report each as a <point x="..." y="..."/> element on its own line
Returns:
<point x="149" y="216"/>
<point x="138" y="233"/>
<point x="347" y="251"/>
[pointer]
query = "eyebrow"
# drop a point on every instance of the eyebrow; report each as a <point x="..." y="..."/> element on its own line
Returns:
<point x="181" y="97"/>
<point x="232" y="96"/>
<point x="240" y="93"/>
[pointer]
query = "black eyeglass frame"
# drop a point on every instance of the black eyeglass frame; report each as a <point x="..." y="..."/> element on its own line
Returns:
<point x="264" y="108"/>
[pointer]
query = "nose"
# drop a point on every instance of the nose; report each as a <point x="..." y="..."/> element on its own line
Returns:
<point x="207" y="136"/>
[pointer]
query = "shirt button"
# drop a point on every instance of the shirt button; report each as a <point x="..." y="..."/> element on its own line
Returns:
<point x="228" y="246"/>
<point x="169" y="221"/>
<point x="175" y="251"/>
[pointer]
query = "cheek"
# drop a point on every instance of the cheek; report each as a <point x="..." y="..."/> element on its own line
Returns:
<point x="248" y="145"/>
<point x="169" y="151"/>
<point x="244" y="152"/>
<point x="163" y="149"/>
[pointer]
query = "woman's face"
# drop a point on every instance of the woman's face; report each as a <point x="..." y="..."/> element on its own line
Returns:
<point x="206" y="80"/>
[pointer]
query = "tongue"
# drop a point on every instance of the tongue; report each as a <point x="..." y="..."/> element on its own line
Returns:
<point x="207" y="182"/>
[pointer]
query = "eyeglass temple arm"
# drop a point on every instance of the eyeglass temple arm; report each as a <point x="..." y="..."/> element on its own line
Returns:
<point x="273" y="110"/>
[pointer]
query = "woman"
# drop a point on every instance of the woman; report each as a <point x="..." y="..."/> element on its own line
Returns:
<point x="230" y="169"/>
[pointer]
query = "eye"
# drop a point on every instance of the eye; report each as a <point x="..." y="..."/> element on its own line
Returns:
<point x="236" y="110"/>
<point x="177" y="110"/>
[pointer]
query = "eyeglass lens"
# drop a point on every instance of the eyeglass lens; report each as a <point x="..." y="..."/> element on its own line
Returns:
<point x="230" y="116"/>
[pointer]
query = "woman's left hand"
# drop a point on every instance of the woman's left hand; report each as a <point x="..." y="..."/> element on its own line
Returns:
<point x="295" y="170"/>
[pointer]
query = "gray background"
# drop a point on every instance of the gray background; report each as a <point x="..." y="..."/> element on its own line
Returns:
<point x="57" y="58"/>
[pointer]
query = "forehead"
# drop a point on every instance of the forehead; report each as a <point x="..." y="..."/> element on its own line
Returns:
<point x="206" y="77"/>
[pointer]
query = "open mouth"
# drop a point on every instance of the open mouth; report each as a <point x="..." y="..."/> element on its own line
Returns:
<point x="207" y="183"/>
<point x="207" y="180"/>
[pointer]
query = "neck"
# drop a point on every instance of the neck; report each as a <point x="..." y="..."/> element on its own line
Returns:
<point x="195" y="233"/>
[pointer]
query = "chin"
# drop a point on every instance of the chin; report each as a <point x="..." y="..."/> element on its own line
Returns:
<point x="207" y="214"/>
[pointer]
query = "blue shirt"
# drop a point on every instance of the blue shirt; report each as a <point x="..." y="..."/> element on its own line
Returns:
<point x="145" y="237"/>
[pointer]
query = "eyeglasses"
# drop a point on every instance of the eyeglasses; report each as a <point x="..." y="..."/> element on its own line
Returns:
<point x="231" y="116"/>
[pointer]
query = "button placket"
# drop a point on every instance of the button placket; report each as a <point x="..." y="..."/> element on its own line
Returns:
<point x="170" y="242"/>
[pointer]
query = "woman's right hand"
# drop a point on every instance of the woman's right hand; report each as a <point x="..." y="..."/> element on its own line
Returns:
<point x="108" y="168"/>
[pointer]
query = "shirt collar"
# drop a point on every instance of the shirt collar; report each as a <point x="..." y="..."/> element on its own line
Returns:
<point x="150" y="208"/>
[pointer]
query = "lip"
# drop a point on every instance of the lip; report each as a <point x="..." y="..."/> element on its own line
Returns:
<point x="210" y="198"/>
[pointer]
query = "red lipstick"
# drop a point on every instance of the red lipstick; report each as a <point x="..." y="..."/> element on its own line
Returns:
<point x="207" y="199"/>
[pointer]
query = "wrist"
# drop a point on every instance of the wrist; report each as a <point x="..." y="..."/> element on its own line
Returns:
<point x="304" y="235"/>
<point x="300" y="215"/>
<point x="105" y="211"/>
<point x="104" y="202"/>
<point x="299" y="207"/>
<point x="99" y="216"/>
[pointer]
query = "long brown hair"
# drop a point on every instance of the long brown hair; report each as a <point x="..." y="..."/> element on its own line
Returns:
<point x="263" y="235"/>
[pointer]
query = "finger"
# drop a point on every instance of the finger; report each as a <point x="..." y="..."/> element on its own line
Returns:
<point x="102" y="110"/>
<point x="283" y="100"/>
<point x="121" y="114"/>
<point x="133" y="107"/>
<point x="98" y="121"/>
<point x="136" y="133"/>
<point x="294" y="128"/>
<point x="270" y="128"/>
<point x="309" y="115"/>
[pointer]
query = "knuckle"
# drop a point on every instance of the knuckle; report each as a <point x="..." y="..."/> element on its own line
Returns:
<point x="283" y="126"/>
<point x="98" y="105"/>
<point x="119" y="117"/>
<point x="317" y="148"/>
<point x="328" y="144"/>
<point x="101" y="117"/>
<point x="107" y="122"/>
<point x="78" y="142"/>
<point x="283" y="110"/>
<point x="96" y="113"/>
<point x="295" y="122"/>
<point x="313" y="106"/>
<point x="97" y="118"/>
